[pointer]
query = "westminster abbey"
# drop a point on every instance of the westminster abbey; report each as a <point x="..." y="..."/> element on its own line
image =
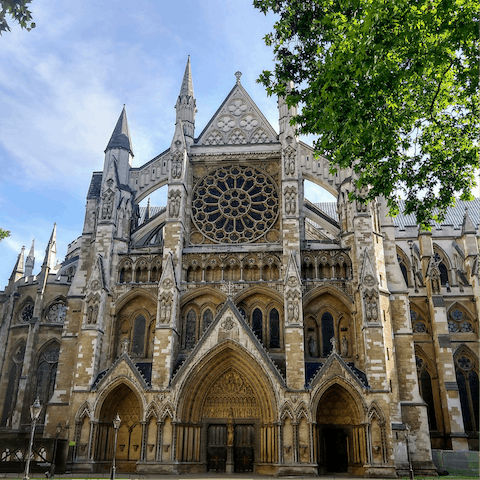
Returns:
<point x="242" y="328"/>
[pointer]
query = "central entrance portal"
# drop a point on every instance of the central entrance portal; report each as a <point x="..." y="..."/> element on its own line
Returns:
<point x="336" y="449"/>
<point x="242" y="449"/>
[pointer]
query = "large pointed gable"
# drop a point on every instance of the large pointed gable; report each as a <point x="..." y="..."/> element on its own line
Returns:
<point x="238" y="121"/>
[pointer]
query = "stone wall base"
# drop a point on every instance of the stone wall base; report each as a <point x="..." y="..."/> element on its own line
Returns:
<point x="306" y="469"/>
<point x="456" y="462"/>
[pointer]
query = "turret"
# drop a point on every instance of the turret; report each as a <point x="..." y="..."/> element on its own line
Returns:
<point x="186" y="104"/>
<point x="30" y="261"/>
<point x="285" y="114"/>
<point x="119" y="149"/>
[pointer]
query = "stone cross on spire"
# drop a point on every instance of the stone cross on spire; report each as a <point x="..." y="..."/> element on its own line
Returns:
<point x="238" y="75"/>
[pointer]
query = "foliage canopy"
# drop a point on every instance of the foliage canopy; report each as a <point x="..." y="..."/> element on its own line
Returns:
<point x="18" y="10"/>
<point x="390" y="87"/>
<point x="4" y="234"/>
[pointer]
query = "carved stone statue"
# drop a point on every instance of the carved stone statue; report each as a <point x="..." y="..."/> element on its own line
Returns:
<point x="107" y="208"/>
<point x="312" y="346"/>
<point x="230" y="434"/>
<point x="344" y="346"/>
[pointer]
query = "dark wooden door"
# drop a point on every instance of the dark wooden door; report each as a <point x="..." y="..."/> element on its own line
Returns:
<point x="244" y="448"/>
<point x="336" y="454"/>
<point x="217" y="448"/>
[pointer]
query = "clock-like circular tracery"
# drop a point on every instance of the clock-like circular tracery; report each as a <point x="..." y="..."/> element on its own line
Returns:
<point x="235" y="204"/>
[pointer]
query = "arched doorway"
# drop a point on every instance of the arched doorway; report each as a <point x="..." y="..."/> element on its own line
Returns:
<point x="227" y="414"/>
<point x="121" y="400"/>
<point x="341" y="437"/>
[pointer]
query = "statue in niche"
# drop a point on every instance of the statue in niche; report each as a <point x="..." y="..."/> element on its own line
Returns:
<point x="174" y="204"/>
<point x="344" y="346"/>
<point x="92" y="314"/>
<point x="290" y="310"/>
<point x="289" y="162"/>
<point x="230" y="434"/>
<point x="163" y="308"/>
<point x="296" y="311"/>
<point x="168" y="311"/>
<point x="435" y="282"/>
<point x="312" y="346"/>
<point x="371" y="307"/>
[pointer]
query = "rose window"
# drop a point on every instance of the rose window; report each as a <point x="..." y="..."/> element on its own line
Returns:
<point x="56" y="313"/>
<point x="235" y="204"/>
<point x="27" y="313"/>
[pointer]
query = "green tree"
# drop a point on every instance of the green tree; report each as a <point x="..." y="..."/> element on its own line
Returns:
<point x="4" y="234"/>
<point x="18" y="10"/>
<point x="391" y="89"/>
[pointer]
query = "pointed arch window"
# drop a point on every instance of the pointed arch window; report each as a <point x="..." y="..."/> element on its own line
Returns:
<point x="458" y="321"/>
<point x="426" y="391"/>
<point x="467" y="380"/>
<point x="403" y="268"/>
<point x="257" y="323"/>
<point x="327" y="333"/>
<point x="138" y="337"/>
<point x="207" y="318"/>
<point x="191" y="329"/>
<point x="12" y="385"/>
<point x="274" y="328"/>
<point x="46" y="373"/>
<point x="441" y="268"/>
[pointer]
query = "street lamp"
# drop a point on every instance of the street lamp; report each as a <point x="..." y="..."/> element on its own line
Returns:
<point x="57" y="433"/>
<point x="35" y="410"/>
<point x="410" y="466"/>
<point x="116" y="425"/>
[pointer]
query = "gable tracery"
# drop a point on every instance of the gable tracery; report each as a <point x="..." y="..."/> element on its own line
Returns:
<point x="459" y="320"/>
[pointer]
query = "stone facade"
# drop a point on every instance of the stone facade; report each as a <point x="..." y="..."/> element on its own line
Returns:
<point x="243" y="328"/>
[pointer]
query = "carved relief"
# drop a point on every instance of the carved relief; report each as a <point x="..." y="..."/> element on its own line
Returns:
<point x="289" y="161"/>
<point x="290" y="200"/>
<point x="371" y="305"/>
<point x="107" y="209"/>
<point x="165" y="309"/>
<point x="215" y="138"/>
<point x="231" y="395"/>
<point x="177" y="165"/>
<point x="293" y="308"/>
<point x="174" y="199"/>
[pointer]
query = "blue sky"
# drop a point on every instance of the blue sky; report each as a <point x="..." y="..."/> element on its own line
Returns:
<point x="63" y="85"/>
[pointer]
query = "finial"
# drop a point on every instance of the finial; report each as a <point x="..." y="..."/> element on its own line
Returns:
<point x="125" y="344"/>
<point x="238" y="75"/>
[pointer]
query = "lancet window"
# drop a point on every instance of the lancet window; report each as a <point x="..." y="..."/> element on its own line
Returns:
<point x="136" y="336"/>
<point x="459" y="321"/>
<point x="12" y="385"/>
<point x="426" y="390"/>
<point x="46" y="372"/>
<point x="466" y="371"/>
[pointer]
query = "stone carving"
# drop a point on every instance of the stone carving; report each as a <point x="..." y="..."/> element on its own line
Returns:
<point x="293" y="308"/>
<point x="107" y="209"/>
<point x="177" y="165"/>
<point x="230" y="433"/>
<point x="369" y="281"/>
<point x="125" y="345"/>
<point x="56" y="313"/>
<point x="231" y="397"/>
<point x="228" y="324"/>
<point x="214" y="138"/>
<point x="334" y="343"/>
<point x="237" y="107"/>
<point x="344" y="346"/>
<point x="290" y="200"/>
<point x="435" y="277"/>
<point x="312" y="346"/>
<point x="225" y="123"/>
<point x="248" y="122"/>
<point x="289" y="161"/>
<point x="174" y="199"/>
<point x="95" y="285"/>
<point x="259" y="136"/>
<point x="92" y="314"/>
<point x="237" y="138"/>
<point x="165" y="309"/>
<point x="362" y="193"/>
<point x="371" y="305"/>
<point x="27" y="312"/>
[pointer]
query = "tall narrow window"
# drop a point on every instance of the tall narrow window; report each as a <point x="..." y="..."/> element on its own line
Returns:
<point x="274" y="329"/>
<point x="467" y="380"/>
<point x="122" y="276"/>
<point x="426" y="391"/>
<point x="12" y="386"/>
<point x="443" y="273"/>
<point x="257" y="323"/>
<point x="46" y="373"/>
<point x="207" y="318"/>
<point x="138" y="337"/>
<point x="327" y="333"/>
<point x="190" y="329"/>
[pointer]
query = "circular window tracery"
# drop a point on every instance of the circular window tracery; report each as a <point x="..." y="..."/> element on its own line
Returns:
<point x="27" y="313"/>
<point x="56" y="313"/>
<point x="235" y="204"/>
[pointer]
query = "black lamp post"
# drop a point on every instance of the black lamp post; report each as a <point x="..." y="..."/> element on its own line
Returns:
<point x="116" y="425"/>
<point x="35" y="410"/>
<point x="57" y="433"/>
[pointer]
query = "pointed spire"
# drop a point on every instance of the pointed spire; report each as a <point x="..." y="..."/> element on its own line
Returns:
<point x="467" y="225"/>
<point x="121" y="134"/>
<point x="30" y="261"/>
<point x="51" y="250"/>
<point x="147" y="212"/>
<point x="17" y="272"/>
<point x="187" y="84"/>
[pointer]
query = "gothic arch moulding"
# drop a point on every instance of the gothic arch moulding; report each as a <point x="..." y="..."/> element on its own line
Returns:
<point x="321" y="290"/>
<point x="227" y="377"/>
<point x="131" y="295"/>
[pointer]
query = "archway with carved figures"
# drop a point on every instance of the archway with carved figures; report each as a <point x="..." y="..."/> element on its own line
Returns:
<point x="228" y="411"/>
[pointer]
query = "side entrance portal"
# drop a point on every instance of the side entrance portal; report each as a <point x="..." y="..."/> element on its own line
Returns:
<point x="241" y="452"/>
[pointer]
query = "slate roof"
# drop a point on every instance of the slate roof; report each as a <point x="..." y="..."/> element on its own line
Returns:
<point x="153" y="212"/>
<point x="95" y="185"/>
<point x="454" y="214"/>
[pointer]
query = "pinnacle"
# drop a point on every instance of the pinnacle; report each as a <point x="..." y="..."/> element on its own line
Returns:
<point x="187" y="83"/>
<point x="121" y="134"/>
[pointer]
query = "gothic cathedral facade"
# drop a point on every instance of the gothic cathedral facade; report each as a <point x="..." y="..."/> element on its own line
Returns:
<point x="243" y="328"/>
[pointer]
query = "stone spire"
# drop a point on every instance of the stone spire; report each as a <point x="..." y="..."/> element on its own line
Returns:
<point x="467" y="224"/>
<point x="121" y="135"/>
<point x="30" y="262"/>
<point x="17" y="272"/>
<point x="147" y="211"/>
<point x="186" y="104"/>
<point x="51" y="250"/>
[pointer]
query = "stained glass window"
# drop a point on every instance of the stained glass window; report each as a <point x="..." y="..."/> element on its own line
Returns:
<point x="274" y="329"/>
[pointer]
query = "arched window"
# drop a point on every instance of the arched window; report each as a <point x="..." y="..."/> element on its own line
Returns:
<point x="426" y="391"/>
<point x="243" y="313"/>
<point x="419" y="325"/>
<point x="207" y="318"/>
<point x="121" y="278"/>
<point x="46" y="373"/>
<point x="12" y="385"/>
<point x="441" y="268"/>
<point x="191" y="329"/>
<point x="138" y="337"/>
<point x="327" y="333"/>
<point x="274" y="329"/>
<point x="467" y="380"/>
<point x="458" y="321"/>
<point x="257" y="323"/>
<point x="403" y="268"/>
